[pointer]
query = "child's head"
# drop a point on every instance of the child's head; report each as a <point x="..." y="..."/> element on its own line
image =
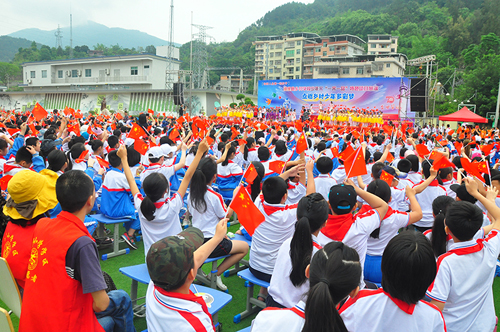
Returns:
<point x="24" y="158"/>
<point x="439" y="208"/>
<point x="170" y="260"/>
<point x="263" y="153"/>
<point x="255" y="186"/>
<point x="381" y="189"/>
<point x="133" y="156"/>
<point x="408" y="267"/>
<point x="75" y="191"/>
<point x="113" y="142"/>
<point x="334" y="274"/>
<point x="155" y="187"/>
<point x="342" y="199"/>
<point x="280" y="148"/>
<point x="205" y="173"/>
<point x="376" y="168"/>
<point x="446" y="174"/>
<point x="155" y="155"/>
<point x="274" y="190"/>
<point x="324" y="165"/>
<point x="404" y="165"/>
<point x="34" y="142"/>
<point x="414" y="162"/>
<point x="57" y="161"/>
<point x="229" y="156"/>
<point x="114" y="160"/>
<point x="463" y="220"/>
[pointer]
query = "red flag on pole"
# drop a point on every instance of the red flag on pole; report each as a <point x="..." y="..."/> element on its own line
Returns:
<point x="355" y="164"/>
<point x="250" y="174"/>
<point x="442" y="163"/>
<point x="136" y="132"/>
<point x="103" y="163"/>
<point x="248" y="214"/>
<point x="39" y="112"/>
<point x="387" y="178"/>
<point x="471" y="169"/>
<point x="174" y="133"/>
<point x="301" y="144"/>
<point x="277" y="166"/>
<point x="140" y="146"/>
<point x="422" y="150"/>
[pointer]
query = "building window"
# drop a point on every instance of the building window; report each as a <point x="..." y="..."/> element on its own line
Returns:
<point x="372" y="52"/>
<point x="297" y="60"/>
<point x="297" y="77"/>
<point x="392" y="50"/>
<point x="324" y="44"/>
<point x="59" y="74"/>
<point x="359" y="70"/>
<point x="279" y="46"/>
<point x="290" y="53"/>
<point x="74" y="73"/>
<point x="345" y="71"/>
<point x="134" y="71"/>
<point x="373" y="45"/>
<point x="388" y="65"/>
<point x="44" y="74"/>
<point x="332" y="48"/>
<point x="324" y="53"/>
<point x="271" y="55"/>
<point x="316" y="58"/>
<point x="88" y="72"/>
<point x="277" y="62"/>
<point x="278" y="54"/>
<point x="271" y="46"/>
<point x="343" y="48"/>
<point x="270" y="71"/>
<point x="298" y="51"/>
<point x="298" y="42"/>
<point x="394" y="41"/>
<point x="271" y="62"/>
<point x="32" y="74"/>
<point x="318" y="49"/>
<point x="297" y="68"/>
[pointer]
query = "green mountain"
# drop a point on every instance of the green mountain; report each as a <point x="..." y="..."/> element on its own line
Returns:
<point x="9" y="46"/>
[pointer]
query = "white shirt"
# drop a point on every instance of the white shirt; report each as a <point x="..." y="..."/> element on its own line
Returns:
<point x="375" y="310"/>
<point x="339" y="174"/>
<point x="167" y="171"/>
<point x="175" y="312"/>
<point x="464" y="283"/>
<point x="425" y="199"/>
<point x="207" y="221"/>
<point x="277" y="320"/>
<point x="267" y="239"/>
<point x="281" y="288"/>
<point x="166" y="219"/>
<point x="323" y="183"/>
<point x="392" y="222"/>
<point x="449" y="192"/>
<point x="296" y="190"/>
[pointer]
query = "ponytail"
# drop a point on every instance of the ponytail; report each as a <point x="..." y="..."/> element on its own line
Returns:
<point x="148" y="208"/>
<point x="70" y="161"/>
<point x="438" y="238"/>
<point x="300" y="251"/>
<point x="250" y="142"/>
<point x="321" y="312"/>
<point x="155" y="187"/>
<point x="230" y="151"/>
<point x="256" y="185"/>
<point x="206" y="170"/>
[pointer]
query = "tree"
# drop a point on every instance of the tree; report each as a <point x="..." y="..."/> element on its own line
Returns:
<point x="9" y="72"/>
<point x="240" y="97"/>
<point x="151" y="49"/>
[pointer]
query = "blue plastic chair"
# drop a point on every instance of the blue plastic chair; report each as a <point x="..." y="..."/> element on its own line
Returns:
<point x="103" y="220"/>
<point x="253" y="305"/>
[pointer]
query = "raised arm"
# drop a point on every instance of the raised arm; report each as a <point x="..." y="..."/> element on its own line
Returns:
<point x="493" y="209"/>
<point x="202" y="253"/>
<point x="421" y="187"/>
<point x="202" y="148"/>
<point x="122" y="153"/>
<point x="416" y="210"/>
<point x="311" y="186"/>
<point x="374" y="201"/>
<point x="181" y="162"/>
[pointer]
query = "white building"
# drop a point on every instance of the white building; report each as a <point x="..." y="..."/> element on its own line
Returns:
<point x="138" y="71"/>
<point x="382" y="44"/>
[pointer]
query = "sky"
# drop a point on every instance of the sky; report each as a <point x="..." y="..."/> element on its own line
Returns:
<point x="226" y="17"/>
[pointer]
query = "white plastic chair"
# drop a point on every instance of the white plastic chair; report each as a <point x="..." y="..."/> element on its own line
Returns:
<point x="9" y="292"/>
<point x="5" y="322"/>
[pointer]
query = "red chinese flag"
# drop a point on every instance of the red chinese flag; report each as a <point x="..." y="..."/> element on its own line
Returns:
<point x="140" y="146"/>
<point x="355" y="134"/>
<point x="442" y="163"/>
<point x="180" y="120"/>
<point x="451" y="132"/>
<point x="234" y="132"/>
<point x="458" y="147"/>
<point x="210" y="140"/>
<point x="33" y="129"/>
<point x="403" y="128"/>
<point x="390" y="158"/>
<point x="348" y="151"/>
<point x="241" y="142"/>
<point x="355" y="164"/>
<point x="82" y="156"/>
<point x="248" y="214"/>
<point x="471" y="169"/>
<point x="74" y="128"/>
<point x="422" y="150"/>
<point x="150" y="111"/>
<point x="482" y="166"/>
<point x="136" y="132"/>
<point x="277" y="166"/>
<point x="103" y="163"/>
<point x="39" y="112"/>
<point x="487" y="148"/>
<point x="299" y="126"/>
<point x="68" y="111"/>
<point x="335" y="152"/>
<point x="12" y="131"/>
<point x="301" y="144"/>
<point x="435" y="156"/>
<point x="439" y="137"/>
<point x="4" y="181"/>
<point x="387" y="129"/>
<point x="387" y="178"/>
<point x="78" y="115"/>
<point x="118" y="116"/>
<point x="174" y="133"/>
<point x="250" y="174"/>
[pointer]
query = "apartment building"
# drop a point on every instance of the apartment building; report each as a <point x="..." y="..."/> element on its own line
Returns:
<point x="382" y="44"/>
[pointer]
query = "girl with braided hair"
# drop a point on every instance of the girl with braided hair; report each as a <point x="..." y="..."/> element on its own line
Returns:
<point x="334" y="275"/>
<point x="288" y="282"/>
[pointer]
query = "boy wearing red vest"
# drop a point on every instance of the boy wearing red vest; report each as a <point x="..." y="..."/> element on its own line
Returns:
<point x="64" y="271"/>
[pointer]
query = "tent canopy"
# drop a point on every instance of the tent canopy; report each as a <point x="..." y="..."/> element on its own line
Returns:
<point x="463" y="115"/>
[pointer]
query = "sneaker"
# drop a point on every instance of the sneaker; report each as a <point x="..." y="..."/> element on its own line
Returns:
<point x="220" y="285"/>
<point x="129" y="241"/>
<point x="107" y="231"/>
<point x="103" y="242"/>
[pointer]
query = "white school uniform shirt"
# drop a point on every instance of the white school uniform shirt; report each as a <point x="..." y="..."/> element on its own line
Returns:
<point x="339" y="174"/>
<point x="174" y="313"/>
<point x="425" y="199"/>
<point x="295" y="192"/>
<point x="281" y="288"/>
<point x="414" y="177"/>
<point x="268" y="237"/>
<point x="207" y="221"/>
<point x="276" y="320"/>
<point x="284" y="157"/>
<point x="376" y="310"/>
<point x="167" y="171"/>
<point x="449" y="192"/>
<point x="357" y="235"/>
<point x="166" y="219"/>
<point x="392" y="222"/>
<point x="463" y="282"/>
<point x="323" y="183"/>
<point x="398" y="197"/>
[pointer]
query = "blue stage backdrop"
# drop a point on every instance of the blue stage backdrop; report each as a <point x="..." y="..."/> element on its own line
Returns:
<point x="384" y="94"/>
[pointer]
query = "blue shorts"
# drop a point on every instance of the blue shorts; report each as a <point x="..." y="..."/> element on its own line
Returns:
<point x="373" y="269"/>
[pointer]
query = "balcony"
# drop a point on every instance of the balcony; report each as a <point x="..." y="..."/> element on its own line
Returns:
<point x="100" y="79"/>
<point x="308" y="54"/>
<point x="289" y="63"/>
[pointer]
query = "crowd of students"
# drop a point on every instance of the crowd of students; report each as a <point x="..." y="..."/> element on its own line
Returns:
<point x="412" y="243"/>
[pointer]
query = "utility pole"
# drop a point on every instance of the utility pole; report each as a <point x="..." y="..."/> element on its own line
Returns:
<point x="498" y="107"/>
<point x="453" y="85"/>
<point x="71" y="36"/>
<point x="191" y="54"/>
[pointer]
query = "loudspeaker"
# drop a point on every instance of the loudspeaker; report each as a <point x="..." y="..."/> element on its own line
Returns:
<point x="178" y="93"/>
<point x="418" y="95"/>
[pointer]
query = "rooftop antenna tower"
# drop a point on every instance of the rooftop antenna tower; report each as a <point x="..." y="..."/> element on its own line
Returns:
<point x="71" y="35"/>
<point x="58" y="35"/>
<point x="169" y="72"/>
<point x="200" y="54"/>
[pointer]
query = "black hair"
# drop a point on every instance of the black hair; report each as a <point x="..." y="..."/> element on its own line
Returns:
<point x="376" y="168"/>
<point x="31" y="141"/>
<point x="255" y="186"/>
<point x="414" y="162"/>
<point x="230" y="151"/>
<point x="334" y="272"/>
<point x="402" y="152"/>
<point x="95" y="144"/>
<point x="324" y="165"/>
<point x="112" y="141"/>
<point x="75" y="151"/>
<point x="166" y="140"/>
<point x="24" y="155"/>
<point x="457" y="162"/>
<point x="224" y="137"/>
<point x="321" y="146"/>
<point x="444" y="172"/>
<point x="312" y="213"/>
<point x="155" y="185"/>
<point x="204" y="173"/>
<point x="377" y="155"/>
<point x="3" y="144"/>
<point x="73" y="189"/>
<point x="248" y="145"/>
<point x="263" y="153"/>
<point x="273" y="189"/>
<point x="56" y="160"/>
<point x="133" y="156"/>
<point x="381" y="189"/>
<point x="280" y="148"/>
<point x="408" y="259"/>
<point x="438" y="239"/>
<point x="464" y="219"/>
<point x="113" y="159"/>
<point x="426" y="168"/>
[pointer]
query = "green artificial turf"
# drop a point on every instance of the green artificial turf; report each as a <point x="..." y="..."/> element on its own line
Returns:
<point x="235" y="286"/>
